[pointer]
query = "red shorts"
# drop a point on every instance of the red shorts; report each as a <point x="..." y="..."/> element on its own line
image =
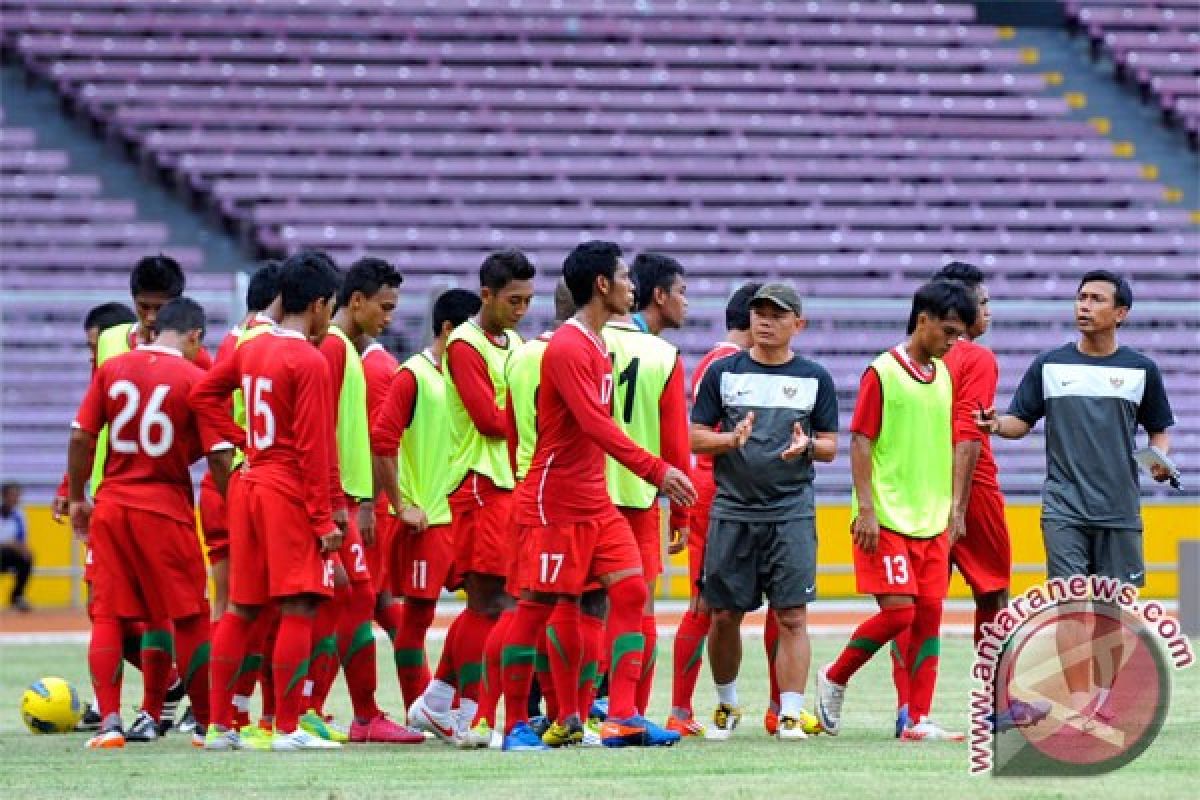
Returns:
<point x="984" y="554"/>
<point x="353" y="552"/>
<point x="145" y="565"/>
<point x="483" y="536"/>
<point x="561" y="558"/>
<point x="698" y="516"/>
<point x="212" y="520"/>
<point x="379" y="555"/>
<point x="647" y="532"/>
<point x="273" y="549"/>
<point x="423" y="563"/>
<point x="904" y="565"/>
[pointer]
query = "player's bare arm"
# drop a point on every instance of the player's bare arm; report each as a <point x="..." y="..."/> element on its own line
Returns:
<point x="1161" y="440"/>
<point x="220" y="465"/>
<point x="1006" y="427"/>
<point x="706" y="441"/>
<point x="81" y="450"/>
<point x="865" y="527"/>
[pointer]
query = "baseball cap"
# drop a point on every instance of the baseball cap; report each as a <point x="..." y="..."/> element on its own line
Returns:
<point x="781" y="295"/>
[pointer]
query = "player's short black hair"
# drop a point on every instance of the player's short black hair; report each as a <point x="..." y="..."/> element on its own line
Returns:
<point x="158" y="273"/>
<point x="106" y="315"/>
<point x="263" y="287"/>
<point x="455" y="306"/>
<point x="307" y="276"/>
<point x="587" y="262"/>
<point x="1123" y="292"/>
<point x="967" y="274"/>
<point x="182" y="315"/>
<point x="505" y="266"/>
<point x="940" y="299"/>
<point x="652" y="271"/>
<point x="368" y="275"/>
<point x="737" y="310"/>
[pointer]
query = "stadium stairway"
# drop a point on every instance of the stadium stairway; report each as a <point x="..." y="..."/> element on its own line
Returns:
<point x="31" y="104"/>
<point x="1095" y="95"/>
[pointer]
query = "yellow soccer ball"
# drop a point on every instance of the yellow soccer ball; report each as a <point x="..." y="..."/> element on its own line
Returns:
<point x="51" y="705"/>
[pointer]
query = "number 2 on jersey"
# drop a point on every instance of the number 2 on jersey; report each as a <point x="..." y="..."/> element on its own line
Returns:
<point x="152" y="419"/>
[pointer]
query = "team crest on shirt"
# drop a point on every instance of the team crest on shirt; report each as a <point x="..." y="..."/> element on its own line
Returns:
<point x="789" y="392"/>
<point x="1116" y="381"/>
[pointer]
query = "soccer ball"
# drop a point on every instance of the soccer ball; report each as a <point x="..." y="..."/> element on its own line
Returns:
<point x="51" y="705"/>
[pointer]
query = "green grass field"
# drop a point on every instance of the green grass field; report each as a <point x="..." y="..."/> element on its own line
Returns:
<point x="863" y="762"/>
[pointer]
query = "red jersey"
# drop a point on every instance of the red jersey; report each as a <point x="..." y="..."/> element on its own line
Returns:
<point x="203" y="359"/>
<point x="575" y="428"/>
<point x="153" y="439"/>
<point x="378" y="367"/>
<point x="704" y="461"/>
<point x="469" y="372"/>
<point x="290" y="437"/>
<point x="975" y="374"/>
<point x="394" y="417"/>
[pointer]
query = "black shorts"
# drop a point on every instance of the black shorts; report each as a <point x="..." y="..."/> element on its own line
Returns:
<point x="1079" y="549"/>
<point x="744" y="561"/>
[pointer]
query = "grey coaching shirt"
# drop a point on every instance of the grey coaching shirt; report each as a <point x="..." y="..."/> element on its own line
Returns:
<point x="1092" y="408"/>
<point x="754" y="484"/>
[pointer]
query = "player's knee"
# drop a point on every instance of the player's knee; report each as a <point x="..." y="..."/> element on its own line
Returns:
<point x="901" y="617"/>
<point x="726" y="618"/>
<point x="594" y="604"/>
<point x="628" y="594"/>
<point x="793" y="620"/>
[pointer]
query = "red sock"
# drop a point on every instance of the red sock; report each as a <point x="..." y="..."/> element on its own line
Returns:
<point x="412" y="666"/>
<point x="541" y="667"/>
<point x="771" y="646"/>
<point x="228" y="647"/>
<point x="131" y="641"/>
<point x="323" y="657"/>
<point x="867" y="638"/>
<point x="564" y="647"/>
<point x="899" y="653"/>
<point x="267" y="673"/>
<point x="517" y="659"/>
<point x="592" y="629"/>
<point x="106" y="664"/>
<point x="493" y="650"/>
<point x="390" y="617"/>
<point x="649" y="660"/>
<point x="687" y="658"/>
<point x="983" y="617"/>
<point x="356" y="648"/>
<point x="447" y="668"/>
<point x="468" y="652"/>
<point x="158" y="656"/>
<point x="251" y="668"/>
<point x="626" y="599"/>
<point x="192" y="651"/>
<point x="289" y="662"/>
<point x="923" y="656"/>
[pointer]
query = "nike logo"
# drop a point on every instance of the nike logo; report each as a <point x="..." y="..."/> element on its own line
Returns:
<point x="1067" y="383"/>
<point x="1133" y="576"/>
<point x="810" y="588"/>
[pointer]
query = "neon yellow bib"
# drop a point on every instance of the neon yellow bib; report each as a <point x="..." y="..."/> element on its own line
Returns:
<point x="524" y="376"/>
<point x="912" y="460"/>
<point x="472" y="450"/>
<point x="642" y="365"/>
<point x="353" y="428"/>
<point x="425" y="446"/>
<point x="112" y="342"/>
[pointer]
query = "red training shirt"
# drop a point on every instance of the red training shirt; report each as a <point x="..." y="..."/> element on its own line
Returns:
<point x="153" y="439"/>
<point x="975" y="373"/>
<point x="703" y="461"/>
<point x="566" y="481"/>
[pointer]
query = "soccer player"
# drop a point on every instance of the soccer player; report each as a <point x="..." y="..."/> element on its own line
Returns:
<point x="366" y="300"/>
<point x="776" y="416"/>
<point x="984" y="554"/>
<point x="1093" y="394"/>
<point x="262" y="291"/>
<point x="146" y="559"/>
<point x="282" y="532"/>
<point x="902" y="465"/>
<point x="480" y="487"/>
<point x="410" y="439"/>
<point x="571" y="532"/>
<point x="694" y="625"/>
<point x="650" y="407"/>
<point x="379" y="366"/>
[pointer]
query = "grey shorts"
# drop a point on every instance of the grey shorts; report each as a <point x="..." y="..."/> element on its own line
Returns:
<point x="743" y="561"/>
<point x="1075" y="549"/>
